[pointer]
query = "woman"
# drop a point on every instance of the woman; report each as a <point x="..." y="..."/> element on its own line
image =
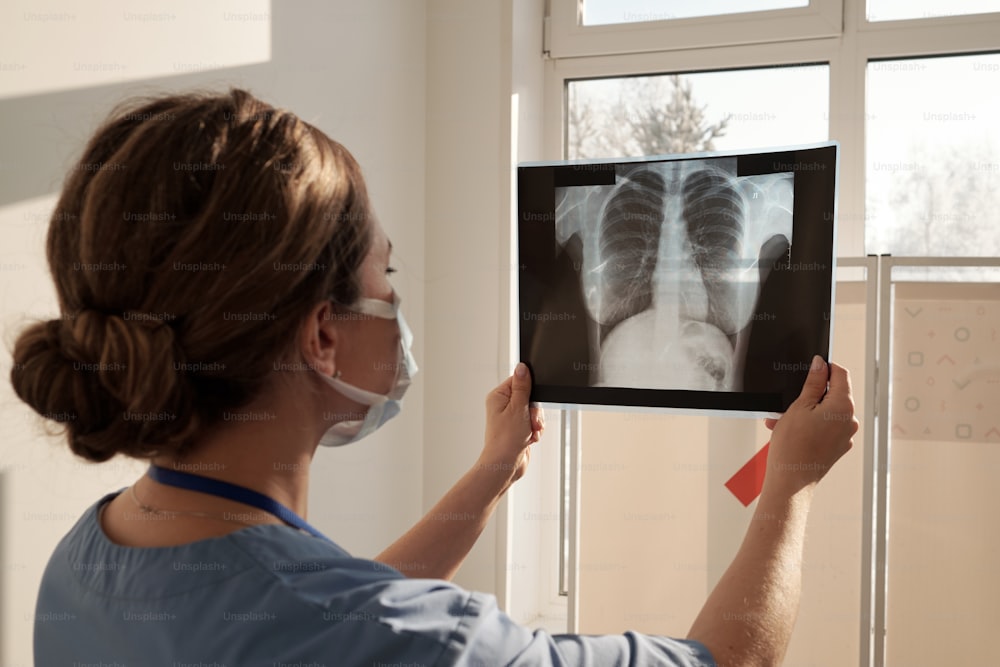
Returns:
<point x="226" y="307"/>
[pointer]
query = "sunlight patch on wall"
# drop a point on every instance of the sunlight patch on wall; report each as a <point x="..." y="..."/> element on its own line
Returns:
<point x="63" y="45"/>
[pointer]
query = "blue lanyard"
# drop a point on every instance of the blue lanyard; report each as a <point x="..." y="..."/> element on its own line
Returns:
<point x="241" y="494"/>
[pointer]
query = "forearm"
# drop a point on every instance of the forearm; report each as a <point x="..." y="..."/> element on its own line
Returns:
<point x="436" y="546"/>
<point x="748" y="618"/>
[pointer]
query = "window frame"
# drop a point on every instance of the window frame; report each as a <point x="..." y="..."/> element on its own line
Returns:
<point x="559" y="72"/>
<point x="570" y="38"/>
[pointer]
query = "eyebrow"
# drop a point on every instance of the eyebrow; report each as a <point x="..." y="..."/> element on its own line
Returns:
<point x="390" y="246"/>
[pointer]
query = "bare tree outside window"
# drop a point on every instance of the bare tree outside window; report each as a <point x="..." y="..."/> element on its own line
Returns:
<point x="944" y="199"/>
<point x="933" y="161"/>
<point x="651" y="116"/>
<point x="933" y="172"/>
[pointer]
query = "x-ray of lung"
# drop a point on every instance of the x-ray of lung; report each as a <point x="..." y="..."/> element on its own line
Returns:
<point x="674" y="254"/>
<point x="674" y="282"/>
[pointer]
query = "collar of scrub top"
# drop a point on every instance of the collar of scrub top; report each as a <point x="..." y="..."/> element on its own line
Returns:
<point x="241" y="494"/>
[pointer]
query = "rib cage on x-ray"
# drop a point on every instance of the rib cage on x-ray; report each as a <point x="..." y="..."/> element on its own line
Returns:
<point x="672" y="267"/>
<point x="628" y="243"/>
<point x="716" y="218"/>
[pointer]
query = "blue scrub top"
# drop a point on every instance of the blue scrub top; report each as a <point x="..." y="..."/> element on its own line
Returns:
<point x="271" y="595"/>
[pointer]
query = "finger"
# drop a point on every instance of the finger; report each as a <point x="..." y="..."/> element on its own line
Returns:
<point x="840" y="381"/>
<point x="537" y="418"/>
<point x="498" y="399"/>
<point x="769" y="423"/>
<point x="520" y="388"/>
<point x="815" y="384"/>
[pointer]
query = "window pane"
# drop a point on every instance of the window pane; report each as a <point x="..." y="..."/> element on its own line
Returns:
<point x="604" y="12"/>
<point x="943" y="465"/>
<point x="933" y="156"/>
<point x="891" y="10"/>
<point x="682" y="113"/>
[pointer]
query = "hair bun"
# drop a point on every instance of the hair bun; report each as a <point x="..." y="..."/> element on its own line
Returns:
<point x="112" y="379"/>
<point x="239" y="229"/>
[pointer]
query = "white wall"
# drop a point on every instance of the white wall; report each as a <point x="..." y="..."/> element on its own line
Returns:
<point x="357" y="70"/>
<point x="465" y="255"/>
<point x="479" y="54"/>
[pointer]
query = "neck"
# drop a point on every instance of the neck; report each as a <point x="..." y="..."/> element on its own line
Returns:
<point x="287" y="483"/>
<point x="265" y="450"/>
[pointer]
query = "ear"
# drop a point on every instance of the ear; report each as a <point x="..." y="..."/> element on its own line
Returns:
<point x="318" y="338"/>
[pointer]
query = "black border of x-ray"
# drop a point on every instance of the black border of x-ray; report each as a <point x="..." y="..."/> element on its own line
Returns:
<point x="803" y="296"/>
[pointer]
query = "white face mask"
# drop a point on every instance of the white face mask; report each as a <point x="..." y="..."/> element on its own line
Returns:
<point x="381" y="408"/>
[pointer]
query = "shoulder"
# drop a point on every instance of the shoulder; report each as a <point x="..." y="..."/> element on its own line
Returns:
<point x="262" y="591"/>
<point x="367" y="611"/>
<point x="305" y="600"/>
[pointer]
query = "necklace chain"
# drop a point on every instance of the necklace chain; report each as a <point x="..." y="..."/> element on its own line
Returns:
<point x="149" y="509"/>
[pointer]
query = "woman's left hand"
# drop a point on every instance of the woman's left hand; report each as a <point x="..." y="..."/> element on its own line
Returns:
<point x="512" y="425"/>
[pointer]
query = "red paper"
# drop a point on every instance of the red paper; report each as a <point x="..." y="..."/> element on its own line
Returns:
<point x="748" y="481"/>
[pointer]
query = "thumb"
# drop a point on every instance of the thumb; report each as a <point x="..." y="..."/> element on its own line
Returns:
<point x="815" y="384"/>
<point x="520" y="385"/>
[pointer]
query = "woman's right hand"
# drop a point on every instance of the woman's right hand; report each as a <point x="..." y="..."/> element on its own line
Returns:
<point x="814" y="433"/>
<point x="512" y="426"/>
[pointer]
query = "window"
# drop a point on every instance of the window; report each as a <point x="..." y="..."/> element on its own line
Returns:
<point x="909" y="101"/>
<point x="933" y="156"/>
<point x="602" y="27"/>
<point x="909" y="91"/>
<point x="649" y="115"/>
<point x="893" y="10"/>
<point x="604" y="12"/>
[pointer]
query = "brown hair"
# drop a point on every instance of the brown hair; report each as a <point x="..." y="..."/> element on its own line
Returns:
<point x="188" y="245"/>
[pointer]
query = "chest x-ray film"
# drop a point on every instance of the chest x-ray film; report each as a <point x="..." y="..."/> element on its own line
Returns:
<point x="689" y="282"/>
